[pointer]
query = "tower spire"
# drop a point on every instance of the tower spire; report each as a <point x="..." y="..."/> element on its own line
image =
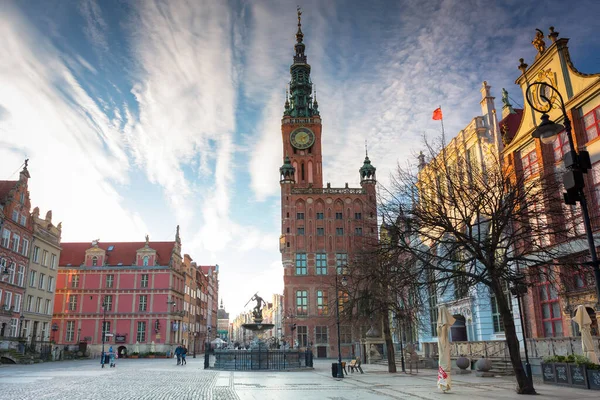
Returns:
<point x="299" y="34"/>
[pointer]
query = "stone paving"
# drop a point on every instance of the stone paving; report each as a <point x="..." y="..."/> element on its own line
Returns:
<point x="162" y="379"/>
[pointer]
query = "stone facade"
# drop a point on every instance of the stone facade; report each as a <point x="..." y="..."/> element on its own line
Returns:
<point x="321" y="227"/>
<point x="38" y="303"/>
<point x="16" y="237"/>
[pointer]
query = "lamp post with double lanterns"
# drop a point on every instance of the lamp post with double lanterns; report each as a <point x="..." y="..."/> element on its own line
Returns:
<point x="340" y="372"/>
<point x="542" y="97"/>
<point x="103" y="329"/>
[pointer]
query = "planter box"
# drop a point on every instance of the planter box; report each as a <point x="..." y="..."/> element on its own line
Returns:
<point x="561" y="371"/>
<point x="578" y="374"/>
<point x="593" y="377"/>
<point x="548" y="373"/>
<point x="133" y="356"/>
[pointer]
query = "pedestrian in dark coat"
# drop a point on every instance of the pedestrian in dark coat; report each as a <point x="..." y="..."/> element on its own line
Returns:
<point x="178" y="352"/>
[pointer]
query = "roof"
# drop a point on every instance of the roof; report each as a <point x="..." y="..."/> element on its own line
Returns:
<point x="5" y="187"/>
<point x="207" y="268"/>
<point x="510" y="124"/>
<point x="122" y="252"/>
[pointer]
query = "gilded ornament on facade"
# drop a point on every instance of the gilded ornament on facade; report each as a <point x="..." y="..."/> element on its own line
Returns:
<point x="537" y="93"/>
<point x="538" y="42"/>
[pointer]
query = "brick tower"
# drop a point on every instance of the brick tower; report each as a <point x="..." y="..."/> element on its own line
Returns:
<point x="321" y="227"/>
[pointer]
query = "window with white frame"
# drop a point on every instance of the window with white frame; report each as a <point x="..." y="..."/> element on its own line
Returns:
<point x="591" y="122"/>
<point x="341" y="262"/>
<point x="21" y="276"/>
<point x="32" y="274"/>
<point x="73" y="302"/>
<point x="38" y="305"/>
<point x="50" y="284"/>
<point x="5" y="238"/>
<point x="16" y="240"/>
<point x="529" y="163"/>
<point x="29" y="303"/>
<point x="110" y="280"/>
<point x="36" y="254"/>
<point x="144" y="282"/>
<point x="17" y="302"/>
<point x="70" y="331"/>
<point x="75" y="281"/>
<point x="47" y="309"/>
<point x="45" y="258"/>
<point x="13" y="327"/>
<point x="143" y="302"/>
<point x="25" y="249"/>
<point x="105" y="329"/>
<point x="141" y="331"/>
<point x="11" y="273"/>
<point x="15" y="216"/>
<point x="7" y="300"/>
<point x="41" y="281"/>
<point x="23" y="220"/>
<point x="53" y="261"/>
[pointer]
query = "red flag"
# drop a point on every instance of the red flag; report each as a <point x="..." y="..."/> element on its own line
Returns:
<point x="437" y="114"/>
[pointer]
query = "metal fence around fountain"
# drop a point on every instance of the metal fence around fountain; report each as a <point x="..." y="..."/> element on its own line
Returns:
<point x="250" y="360"/>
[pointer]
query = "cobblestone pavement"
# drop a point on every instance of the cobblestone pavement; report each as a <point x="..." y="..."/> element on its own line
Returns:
<point x="162" y="379"/>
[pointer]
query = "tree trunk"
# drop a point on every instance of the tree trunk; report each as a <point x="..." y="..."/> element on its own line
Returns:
<point x="512" y="341"/>
<point x="389" y="343"/>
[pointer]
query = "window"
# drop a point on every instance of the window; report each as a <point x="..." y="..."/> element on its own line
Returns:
<point x="105" y="329"/>
<point x="346" y="334"/>
<point x="7" y="300"/>
<point x="11" y="273"/>
<point x="109" y="280"/>
<point x="301" y="231"/>
<point x="301" y="264"/>
<point x="54" y="261"/>
<point x="13" y="327"/>
<point x="299" y="215"/>
<point x="358" y="231"/>
<point x="144" y="280"/>
<point x="25" y="249"/>
<point x="320" y="231"/>
<point x="322" y="308"/>
<point x="32" y="278"/>
<point x="561" y="146"/>
<point x="41" y="281"/>
<point x="108" y="302"/>
<point x="339" y="231"/>
<point x="320" y="215"/>
<point x="22" y="198"/>
<point x="341" y="261"/>
<point x="94" y="261"/>
<point x="38" y="305"/>
<point x="591" y="122"/>
<point x="50" y="284"/>
<point x="338" y="215"/>
<point x="301" y="302"/>
<point x="45" y="258"/>
<point x="23" y="220"/>
<point x="72" y="302"/>
<point x="321" y="263"/>
<point x="143" y="302"/>
<point x="21" y="276"/>
<point x="357" y="216"/>
<point x="16" y="240"/>
<point x="75" y="281"/>
<point x="302" y="332"/>
<point x="47" y="309"/>
<point x="145" y="261"/>
<point x="530" y="164"/>
<point x="17" y="303"/>
<point x="29" y="303"/>
<point x="496" y="317"/>
<point x="5" y="238"/>
<point x="550" y="308"/>
<point x="15" y="216"/>
<point x="70" y="331"/>
<point x="36" y="254"/>
<point x="141" y="331"/>
<point x="321" y="334"/>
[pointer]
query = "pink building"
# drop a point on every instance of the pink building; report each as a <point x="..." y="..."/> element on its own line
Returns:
<point x="133" y="292"/>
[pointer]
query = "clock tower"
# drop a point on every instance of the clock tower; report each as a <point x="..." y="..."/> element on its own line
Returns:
<point x="301" y="123"/>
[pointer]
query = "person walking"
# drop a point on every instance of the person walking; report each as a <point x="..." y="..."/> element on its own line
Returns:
<point x="178" y="354"/>
<point x="112" y="356"/>
<point x="183" y="354"/>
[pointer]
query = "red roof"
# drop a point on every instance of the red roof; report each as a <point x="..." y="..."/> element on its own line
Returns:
<point x="5" y="187"/>
<point x="121" y="252"/>
<point x="206" y="268"/>
<point x="510" y="124"/>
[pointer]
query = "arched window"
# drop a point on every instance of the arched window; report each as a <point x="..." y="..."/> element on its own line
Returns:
<point x="146" y="258"/>
<point x="94" y="261"/>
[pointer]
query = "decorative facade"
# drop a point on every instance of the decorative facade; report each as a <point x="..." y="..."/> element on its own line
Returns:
<point x="321" y="227"/>
<point x="16" y="236"/>
<point x="550" y="308"/>
<point x="129" y="293"/>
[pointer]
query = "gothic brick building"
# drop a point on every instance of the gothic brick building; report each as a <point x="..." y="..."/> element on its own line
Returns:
<point x="321" y="227"/>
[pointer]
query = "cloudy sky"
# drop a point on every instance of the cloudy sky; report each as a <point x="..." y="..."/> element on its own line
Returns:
<point x="140" y="115"/>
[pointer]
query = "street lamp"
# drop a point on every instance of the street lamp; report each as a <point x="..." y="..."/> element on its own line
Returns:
<point x="400" y="339"/>
<point x="340" y="372"/>
<point x="20" y="332"/>
<point x="576" y="163"/>
<point x="103" y="329"/>
<point x="519" y="290"/>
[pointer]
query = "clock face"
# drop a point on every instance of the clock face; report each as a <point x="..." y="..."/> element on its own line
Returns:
<point x="302" y="138"/>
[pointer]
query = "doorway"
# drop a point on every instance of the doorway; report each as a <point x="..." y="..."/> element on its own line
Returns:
<point x="321" y="351"/>
<point x="458" y="331"/>
<point x="122" y="351"/>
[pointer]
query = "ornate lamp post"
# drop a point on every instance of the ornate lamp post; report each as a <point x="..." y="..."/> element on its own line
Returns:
<point x="103" y="329"/>
<point x="541" y="96"/>
<point x="340" y="372"/>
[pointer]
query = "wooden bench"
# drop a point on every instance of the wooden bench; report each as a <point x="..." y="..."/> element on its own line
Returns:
<point x="354" y="365"/>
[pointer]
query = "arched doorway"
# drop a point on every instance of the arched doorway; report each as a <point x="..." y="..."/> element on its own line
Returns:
<point x="122" y="351"/>
<point x="458" y="331"/>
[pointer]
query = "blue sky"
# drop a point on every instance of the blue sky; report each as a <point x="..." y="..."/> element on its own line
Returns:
<point x="141" y="115"/>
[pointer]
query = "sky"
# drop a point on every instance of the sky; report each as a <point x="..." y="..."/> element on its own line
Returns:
<point x="138" y="116"/>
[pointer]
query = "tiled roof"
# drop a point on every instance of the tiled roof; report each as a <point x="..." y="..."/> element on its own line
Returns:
<point x="122" y="252"/>
<point x="206" y="268"/>
<point x="5" y="187"/>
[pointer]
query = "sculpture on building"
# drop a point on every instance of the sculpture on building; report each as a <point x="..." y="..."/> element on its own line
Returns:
<point x="538" y="42"/>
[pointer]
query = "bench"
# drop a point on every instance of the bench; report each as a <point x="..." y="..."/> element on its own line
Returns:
<point x="354" y="365"/>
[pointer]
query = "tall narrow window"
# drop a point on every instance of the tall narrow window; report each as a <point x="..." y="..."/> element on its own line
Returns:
<point x="321" y="263"/>
<point x="105" y="329"/>
<point x="15" y="242"/>
<point x="357" y="216"/>
<point x="72" y="302"/>
<point x="21" y="276"/>
<point x="17" y="307"/>
<point x="320" y="334"/>
<point x="45" y="258"/>
<point x="320" y="231"/>
<point x="53" y="261"/>
<point x="550" y="308"/>
<point x="32" y="274"/>
<point x="341" y="262"/>
<point x="75" y="281"/>
<point x="320" y="215"/>
<point x="94" y="261"/>
<point x="41" y="281"/>
<point x="339" y="231"/>
<point x="141" y="331"/>
<point x="11" y="273"/>
<point x="338" y="215"/>
<point x="143" y="302"/>
<point x="322" y="308"/>
<point x="70" y="331"/>
<point x="36" y="255"/>
<point x="145" y="262"/>
<point x="496" y="316"/>
<point x="301" y="264"/>
<point x="109" y="280"/>
<point x="530" y="164"/>
<point x="302" y="171"/>
<point x="302" y="332"/>
<point x="5" y="238"/>
<point x="25" y="248"/>
<point x="302" y="302"/>
<point x="144" y="282"/>
<point x="108" y="302"/>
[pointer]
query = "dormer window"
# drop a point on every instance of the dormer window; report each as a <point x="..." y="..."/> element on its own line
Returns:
<point x="146" y="259"/>
<point x="94" y="261"/>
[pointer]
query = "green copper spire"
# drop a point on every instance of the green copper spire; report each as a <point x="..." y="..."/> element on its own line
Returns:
<point x="301" y="104"/>
<point x="287" y="170"/>
<point x="367" y="171"/>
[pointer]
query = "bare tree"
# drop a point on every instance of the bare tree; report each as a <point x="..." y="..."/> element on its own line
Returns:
<point x="472" y="225"/>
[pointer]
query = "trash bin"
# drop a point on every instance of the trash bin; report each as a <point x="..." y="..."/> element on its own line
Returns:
<point x="334" y="369"/>
<point x="106" y="359"/>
